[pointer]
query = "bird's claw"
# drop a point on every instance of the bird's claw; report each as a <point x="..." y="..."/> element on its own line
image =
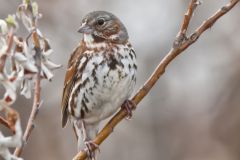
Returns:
<point x="90" y="149"/>
<point x="128" y="105"/>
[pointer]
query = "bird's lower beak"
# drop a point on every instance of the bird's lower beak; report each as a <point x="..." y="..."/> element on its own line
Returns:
<point x="85" y="29"/>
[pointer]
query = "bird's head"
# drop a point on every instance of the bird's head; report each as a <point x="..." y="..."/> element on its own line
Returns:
<point x="103" y="26"/>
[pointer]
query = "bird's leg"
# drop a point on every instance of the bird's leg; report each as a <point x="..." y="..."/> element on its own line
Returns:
<point x="89" y="143"/>
<point x="75" y="132"/>
<point x="84" y="132"/>
<point x="128" y="105"/>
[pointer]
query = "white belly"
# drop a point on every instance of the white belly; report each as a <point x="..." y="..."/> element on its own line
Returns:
<point x="106" y="88"/>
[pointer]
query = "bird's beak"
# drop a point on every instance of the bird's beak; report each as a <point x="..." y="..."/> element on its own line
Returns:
<point x="85" y="29"/>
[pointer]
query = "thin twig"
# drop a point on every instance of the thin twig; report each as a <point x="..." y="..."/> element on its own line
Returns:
<point x="181" y="36"/>
<point x="36" y="103"/>
<point x="175" y="51"/>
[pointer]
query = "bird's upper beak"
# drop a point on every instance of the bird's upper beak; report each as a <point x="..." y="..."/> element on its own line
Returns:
<point x="85" y="28"/>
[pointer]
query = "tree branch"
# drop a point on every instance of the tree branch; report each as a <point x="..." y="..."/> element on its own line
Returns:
<point x="36" y="102"/>
<point x="37" y="89"/>
<point x="177" y="48"/>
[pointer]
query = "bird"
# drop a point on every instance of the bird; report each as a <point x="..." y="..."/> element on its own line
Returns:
<point x="100" y="77"/>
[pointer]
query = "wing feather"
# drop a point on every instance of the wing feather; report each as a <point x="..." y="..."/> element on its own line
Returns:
<point x="69" y="80"/>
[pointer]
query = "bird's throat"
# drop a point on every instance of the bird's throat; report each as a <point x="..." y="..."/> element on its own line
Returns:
<point x="92" y="41"/>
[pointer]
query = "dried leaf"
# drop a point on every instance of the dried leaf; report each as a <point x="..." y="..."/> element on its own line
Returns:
<point x="46" y="72"/>
<point x="49" y="64"/>
<point x="10" y="83"/>
<point x="26" y="88"/>
<point x="10" y="94"/>
<point x="10" y="142"/>
<point x="26" y="63"/>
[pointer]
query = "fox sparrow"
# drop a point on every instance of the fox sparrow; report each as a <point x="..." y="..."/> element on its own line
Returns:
<point x="100" y="77"/>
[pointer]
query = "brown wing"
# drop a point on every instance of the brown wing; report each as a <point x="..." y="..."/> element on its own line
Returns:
<point x="69" y="80"/>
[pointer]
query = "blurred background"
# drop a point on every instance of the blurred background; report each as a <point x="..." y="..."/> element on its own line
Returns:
<point x="192" y="113"/>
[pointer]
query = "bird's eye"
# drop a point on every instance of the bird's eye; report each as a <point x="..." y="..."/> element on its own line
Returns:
<point x="100" y="21"/>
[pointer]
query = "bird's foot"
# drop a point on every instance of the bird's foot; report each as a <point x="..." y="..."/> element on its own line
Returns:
<point x="90" y="149"/>
<point x="128" y="105"/>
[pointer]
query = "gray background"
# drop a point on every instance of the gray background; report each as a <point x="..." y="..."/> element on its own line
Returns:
<point x="192" y="113"/>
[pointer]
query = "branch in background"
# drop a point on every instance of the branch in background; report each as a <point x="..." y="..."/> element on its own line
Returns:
<point x="37" y="88"/>
<point x="35" y="108"/>
<point x="37" y="91"/>
<point x="179" y="45"/>
<point x="19" y="68"/>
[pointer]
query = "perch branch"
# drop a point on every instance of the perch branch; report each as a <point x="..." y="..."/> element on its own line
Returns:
<point x="37" y="90"/>
<point x="174" y="51"/>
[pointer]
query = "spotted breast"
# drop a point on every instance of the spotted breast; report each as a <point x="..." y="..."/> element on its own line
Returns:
<point x="105" y="78"/>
